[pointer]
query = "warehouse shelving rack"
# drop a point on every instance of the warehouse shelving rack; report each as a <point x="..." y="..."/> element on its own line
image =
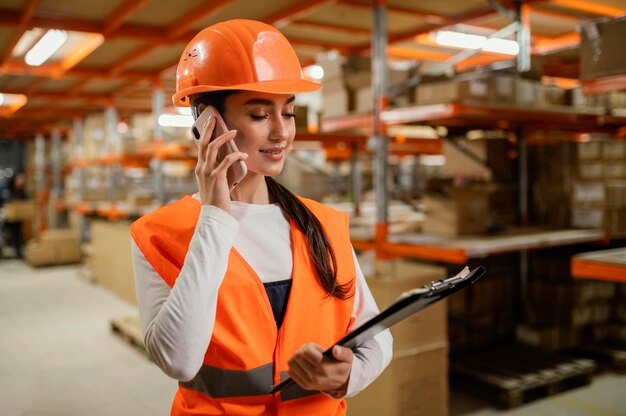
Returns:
<point x="608" y="265"/>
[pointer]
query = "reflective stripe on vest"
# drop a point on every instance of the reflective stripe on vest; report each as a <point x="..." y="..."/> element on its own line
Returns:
<point x="219" y="383"/>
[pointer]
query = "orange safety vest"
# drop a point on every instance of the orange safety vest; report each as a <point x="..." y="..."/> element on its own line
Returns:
<point x="247" y="354"/>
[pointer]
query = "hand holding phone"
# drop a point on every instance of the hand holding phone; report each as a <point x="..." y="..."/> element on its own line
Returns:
<point x="238" y="170"/>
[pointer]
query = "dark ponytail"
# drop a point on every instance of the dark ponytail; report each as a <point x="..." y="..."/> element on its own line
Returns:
<point x="320" y="249"/>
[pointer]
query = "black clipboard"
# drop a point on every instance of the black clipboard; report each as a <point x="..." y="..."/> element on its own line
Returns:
<point x="406" y="305"/>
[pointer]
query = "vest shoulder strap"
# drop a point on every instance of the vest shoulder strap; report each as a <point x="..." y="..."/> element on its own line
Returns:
<point x="163" y="236"/>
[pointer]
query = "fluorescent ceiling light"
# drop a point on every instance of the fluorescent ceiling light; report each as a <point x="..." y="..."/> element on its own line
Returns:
<point x="504" y="46"/>
<point x="470" y="41"/>
<point x="27" y="40"/>
<point x="175" y="120"/>
<point x="45" y="47"/>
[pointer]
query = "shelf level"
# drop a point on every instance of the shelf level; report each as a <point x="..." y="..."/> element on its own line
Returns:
<point x="601" y="265"/>
<point x="459" y="250"/>
<point x="604" y="85"/>
<point x="476" y="113"/>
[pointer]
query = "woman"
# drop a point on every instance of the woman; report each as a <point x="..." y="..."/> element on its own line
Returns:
<point x="238" y="290"/>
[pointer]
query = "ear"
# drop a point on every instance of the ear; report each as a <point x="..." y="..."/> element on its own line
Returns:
<point x="201" y="108"/>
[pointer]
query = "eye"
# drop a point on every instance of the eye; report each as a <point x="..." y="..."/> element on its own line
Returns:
<point x="289" y="115"/>
<point x="259" y="117"/>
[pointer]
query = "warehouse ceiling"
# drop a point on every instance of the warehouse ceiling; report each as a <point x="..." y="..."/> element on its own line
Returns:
<point x="118" y="51"/>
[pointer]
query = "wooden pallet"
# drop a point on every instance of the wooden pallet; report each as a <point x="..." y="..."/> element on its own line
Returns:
<point x="129" y="329"/>
<point x="514" y="376"/>
<point x="608" y="355"/>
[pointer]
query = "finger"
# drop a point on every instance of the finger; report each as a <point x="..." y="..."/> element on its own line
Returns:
<point x="213" y="147"/>
<point x="342" y="354"/>
<point x="205" y="138"/>
<point x="228" y="161"/>
<point x="313" y="356"/>
<point x="299" y="373"/>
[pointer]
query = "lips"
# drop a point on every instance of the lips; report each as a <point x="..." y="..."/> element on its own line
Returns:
<point x="273" y="150"/>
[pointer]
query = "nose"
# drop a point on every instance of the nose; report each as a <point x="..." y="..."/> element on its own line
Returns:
<point x="280" y="128"/>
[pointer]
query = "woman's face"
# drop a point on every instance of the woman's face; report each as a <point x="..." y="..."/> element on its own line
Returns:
<point x="265" y="127"/>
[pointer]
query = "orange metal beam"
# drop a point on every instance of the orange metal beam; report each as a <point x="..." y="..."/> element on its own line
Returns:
<point x="604" y="85"/>
<point x="429" y="17"/>
<point x="331" y="27"/>
<point x="138" y="32"/>
<point x="319" y="44"/>
<point x="55" y="71"/>
<point x="545" y="45"/>
<point x="481" y="59"/>
<point x="295" y="12"/>
<point x="600" y="271"/>
<point x="132" y="57"/>
<point x="448" y="255"/>
<point x="90" y="43"/>
<point x="555" y="14"/>
<point x="205" y="10"/>
<point x="418" y="54"/>
<point x="120" y="14"/>
<point x="24" y="19"/>
<point x="590" y="7"/>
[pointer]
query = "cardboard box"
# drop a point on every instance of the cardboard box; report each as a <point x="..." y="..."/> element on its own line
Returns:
<point x="527" y="91"/>
<point x="112" y="258"/>
<point x="390" y="280"/>
<point x="334" y="98"/>
<point x="614" y="150"/>
<point x="54" y="247"/>
<point x="588" y="193"/>
<point x="19" y="210"/>
<point x="540" y="314"/>
<point x="414" y="384"/>
<point x="562" y="293"/>
<point x="464" y="212"/>
<point x="587" y="217"/>
<point x="589" y="171"/>
<point x="548" y="338"/>
<point x="615" y="222"/>
<point x="602" y="47"/>
<point x="454" y="90"/>
<point x="615" y="194"/>
<point x="615" y="169"/>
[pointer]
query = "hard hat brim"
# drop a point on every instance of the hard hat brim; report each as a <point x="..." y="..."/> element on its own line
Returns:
<point x="271" y="87"/>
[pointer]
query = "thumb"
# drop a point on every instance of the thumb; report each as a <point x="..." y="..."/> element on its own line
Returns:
<point x="341" y="353"/>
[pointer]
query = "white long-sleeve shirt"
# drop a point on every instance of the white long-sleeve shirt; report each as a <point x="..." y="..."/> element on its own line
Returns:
<point x="177" y="322"/>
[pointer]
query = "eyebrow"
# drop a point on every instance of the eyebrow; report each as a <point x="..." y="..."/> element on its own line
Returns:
<point x="265" y="101"/>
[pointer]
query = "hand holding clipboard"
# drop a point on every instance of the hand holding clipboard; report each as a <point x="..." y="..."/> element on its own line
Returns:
<point x="406" y="305"/>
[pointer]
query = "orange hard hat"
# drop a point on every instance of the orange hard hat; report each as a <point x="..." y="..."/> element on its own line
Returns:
<point x="239" y="55"/>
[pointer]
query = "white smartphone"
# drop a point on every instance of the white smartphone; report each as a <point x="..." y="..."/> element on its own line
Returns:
<point x="238" y="170"/>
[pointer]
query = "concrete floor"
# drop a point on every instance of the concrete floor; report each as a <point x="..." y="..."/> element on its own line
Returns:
<point x="58" y="357"/>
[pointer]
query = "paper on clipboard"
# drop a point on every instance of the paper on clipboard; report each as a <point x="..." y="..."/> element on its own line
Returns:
<point x="405" y="305"/>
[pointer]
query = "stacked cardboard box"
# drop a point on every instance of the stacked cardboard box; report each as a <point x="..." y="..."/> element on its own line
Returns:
<point x="602" y="48"/>
<point x="19" y="210"/>
<point x="483" y="315"/>
<point x="416" y="381"/>
<point x="112" y="259"/>
<point x="334" y="92"/>
<point x="465" y="211"/>
<point x="562" y="312"/>
<point x="54" y="247"/>
<point x="615" y="208"/>
<point x="458" y="211"/>
<point x="582" y="174"/>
